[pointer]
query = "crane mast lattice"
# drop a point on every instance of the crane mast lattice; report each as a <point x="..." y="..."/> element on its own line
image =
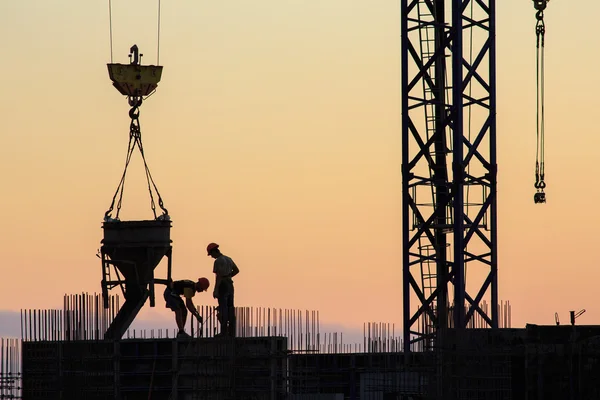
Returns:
<point x="449" y="166"/>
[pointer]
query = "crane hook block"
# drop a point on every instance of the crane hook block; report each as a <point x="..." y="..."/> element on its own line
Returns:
<point x="540" y="5"/>
<point x="134" y="79"/>
<point x="539" y="197"/>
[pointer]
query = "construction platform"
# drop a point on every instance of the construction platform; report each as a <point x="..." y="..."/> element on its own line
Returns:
<point x="178" y="369"/>
<point x="538" y="362"/>
<point x="284" y="354"/>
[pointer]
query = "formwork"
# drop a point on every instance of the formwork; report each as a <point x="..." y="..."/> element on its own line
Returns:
<point x="183" y="369"/>
<point x="65" y="354"/>
<point x="369" y="376"/>
<point x="562" y="362"/>
<point x="10" y="369"/>
<point x="513" y="364"/>
<point x="283" y="354"/>
<point x="479" y="364"/>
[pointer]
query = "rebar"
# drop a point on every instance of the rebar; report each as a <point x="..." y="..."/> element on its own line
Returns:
<point x="276" y="351"/>
<point x="10" y="369"/>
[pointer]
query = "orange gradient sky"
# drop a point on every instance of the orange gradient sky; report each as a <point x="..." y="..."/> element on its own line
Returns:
<point x="276" y="132"/>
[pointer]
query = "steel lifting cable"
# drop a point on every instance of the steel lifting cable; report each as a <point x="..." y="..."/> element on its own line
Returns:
<point x="135" y="127"/>
<point x="540" y="30"/>
<point x="110" y="29"/>
<point x="135" y="138"/>
<point x="121" y="186"/>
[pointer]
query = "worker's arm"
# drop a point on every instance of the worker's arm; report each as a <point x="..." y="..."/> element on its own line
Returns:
<point x="189" y="303"/>
<point x="235" y="269"/>
<point x="217" y="282"/>
<point x="217" y="278"/>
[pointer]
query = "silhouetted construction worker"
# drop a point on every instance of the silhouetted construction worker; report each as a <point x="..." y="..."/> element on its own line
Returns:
<point x="224" y="269"/>
<point x="187" y="289"/>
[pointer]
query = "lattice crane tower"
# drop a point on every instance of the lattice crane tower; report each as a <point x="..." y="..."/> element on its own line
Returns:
<point x="449" y="166"/>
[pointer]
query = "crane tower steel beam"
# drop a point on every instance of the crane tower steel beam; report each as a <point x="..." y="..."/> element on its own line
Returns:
<point x="449" y="169"/>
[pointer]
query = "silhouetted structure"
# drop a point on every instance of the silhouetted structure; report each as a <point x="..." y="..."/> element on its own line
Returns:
<point x="448" y="84"/>
<point x="535" y="363"/>
<point x="283" y="354"/>
<point x="134" y="248"/>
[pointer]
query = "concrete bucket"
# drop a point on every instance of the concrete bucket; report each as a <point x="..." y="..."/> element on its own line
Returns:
<point x="134" y="248"/>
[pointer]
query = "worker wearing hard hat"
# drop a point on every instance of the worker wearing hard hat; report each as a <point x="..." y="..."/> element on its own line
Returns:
<point x="187" y="289"/>
<point x="224" y="269"/>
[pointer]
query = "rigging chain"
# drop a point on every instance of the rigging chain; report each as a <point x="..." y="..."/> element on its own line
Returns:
<point x="135" y="138"/>
<point x="540" y="30"/>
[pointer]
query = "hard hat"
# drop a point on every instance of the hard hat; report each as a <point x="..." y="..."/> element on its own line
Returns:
<point x="211" y="247"/>
<point x="203" y="283"/>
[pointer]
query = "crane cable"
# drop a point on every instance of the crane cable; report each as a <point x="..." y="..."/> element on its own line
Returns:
<point x="158" y="37"/>
<point x="110" y="29"/>
<point x="540" y="30"/>
<point x="110" y="32"/>
<point x="135" y="139"/>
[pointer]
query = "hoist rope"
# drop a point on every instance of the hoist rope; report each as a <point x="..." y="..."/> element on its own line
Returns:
<point x="540" y="30"/>
<point x="135" y="138"/>
<point x="110" y="32"/>
<point x="158" y="37"/>
<point x="110" y="29"/>
<point x="540" y="105"/>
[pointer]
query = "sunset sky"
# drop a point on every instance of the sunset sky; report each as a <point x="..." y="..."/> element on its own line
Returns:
<point x="275" y="132"/>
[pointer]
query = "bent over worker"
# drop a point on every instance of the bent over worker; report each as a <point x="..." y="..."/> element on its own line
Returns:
<point x="224" y="269"/>
<point x="186" y="288"/>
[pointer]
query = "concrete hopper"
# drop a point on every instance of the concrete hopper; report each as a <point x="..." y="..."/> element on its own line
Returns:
<point x="133" y="249"/>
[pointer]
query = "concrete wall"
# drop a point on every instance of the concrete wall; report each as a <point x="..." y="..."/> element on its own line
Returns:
<point x="243" y="368"/>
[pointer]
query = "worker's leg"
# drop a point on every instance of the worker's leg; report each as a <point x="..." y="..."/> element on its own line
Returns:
<point x="181" y="314"/>
<point x="224" y="293"/>
<point x="184" y="314"/>
<point x="175" y="304"/>
<point x="223" y="312"/>
<point x="179" y="320"/>
<point x="231" y="313"/>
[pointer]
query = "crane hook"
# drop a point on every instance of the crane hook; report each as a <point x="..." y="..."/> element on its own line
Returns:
<point x="540" y="5"/>
<point x="135" y="53"/>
